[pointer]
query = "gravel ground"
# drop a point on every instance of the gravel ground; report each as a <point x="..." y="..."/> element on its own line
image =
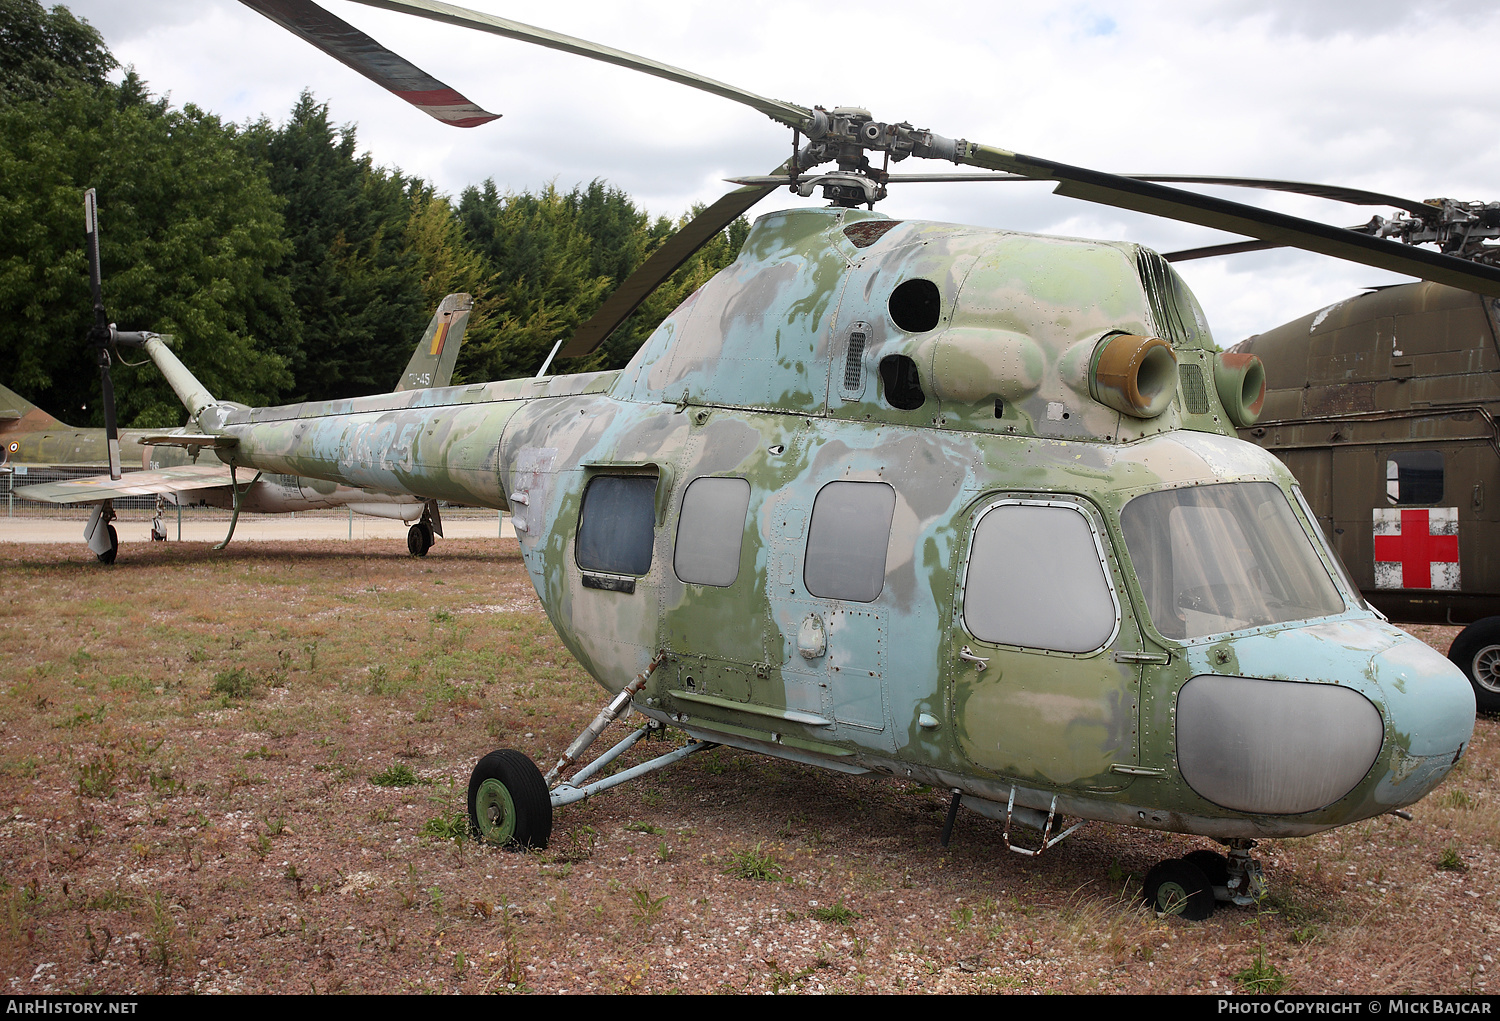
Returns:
<point x="187" y="803"/>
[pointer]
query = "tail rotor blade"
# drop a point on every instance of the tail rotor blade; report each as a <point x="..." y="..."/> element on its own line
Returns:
<point x="100" y="333"/>
<point x="111" y="435"/>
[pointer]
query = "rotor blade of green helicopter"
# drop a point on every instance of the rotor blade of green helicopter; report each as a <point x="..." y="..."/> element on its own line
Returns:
<point x="1235" y="218"/>
<point x="351" y="47"/>
<point x="662" y="263"/>
<point x="789" y="114"/>
<point x="1337" y="193"/>
<point x="1210" y="251"/>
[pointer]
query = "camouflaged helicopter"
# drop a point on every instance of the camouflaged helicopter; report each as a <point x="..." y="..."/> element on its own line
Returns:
<point x="948" y="503"/>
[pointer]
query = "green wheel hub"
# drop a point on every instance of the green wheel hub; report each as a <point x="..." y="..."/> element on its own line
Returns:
<point x="1171" y="898"/>
<point x="496" y="812"/>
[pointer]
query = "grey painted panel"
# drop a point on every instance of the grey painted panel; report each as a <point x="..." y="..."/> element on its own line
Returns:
<point x="1274" y="747"/>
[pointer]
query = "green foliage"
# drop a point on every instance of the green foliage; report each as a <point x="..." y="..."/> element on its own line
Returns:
<point x="42" y="52"/>
<point x="189" y="232"/>
<point x="355" y="281"/>
<point x="399" y="775"/>
<point x="98" y="776"/>
<point x="552" y="258"/>
<point x="448" y="826"/>
<point x="753" y="863"/>
<point x="286" y="265"/>
<point x="644" y="906"/>
<point x="235" y="683"/>
<point x="838" y="914"/>
<point x="1449" y="860"/>
<point x="1261" y="977"/>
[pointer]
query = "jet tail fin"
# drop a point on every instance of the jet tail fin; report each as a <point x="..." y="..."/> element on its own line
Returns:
<point x="432" y="362"/>
<point x="14" y="408"/>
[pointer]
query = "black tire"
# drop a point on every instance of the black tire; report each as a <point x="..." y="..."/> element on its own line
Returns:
<point x="418" y="540"/>
<point x="1178" y="887"/>
<point x="1476" y="651"/>
<point x="508" y="801"/>
<point x="108" y="556"/>
<point x="1213" y="865"/>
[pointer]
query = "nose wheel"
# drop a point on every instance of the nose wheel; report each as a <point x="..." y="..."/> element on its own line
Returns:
<point x="1193" y="885"/>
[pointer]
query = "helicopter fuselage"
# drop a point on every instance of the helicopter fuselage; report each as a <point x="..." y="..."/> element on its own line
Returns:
<point x="870" y="498"/>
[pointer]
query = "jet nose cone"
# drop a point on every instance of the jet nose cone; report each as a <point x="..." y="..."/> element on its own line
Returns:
<point x="1429" y="710"/>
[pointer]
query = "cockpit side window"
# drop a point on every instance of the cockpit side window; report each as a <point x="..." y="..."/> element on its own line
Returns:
<point x="1219" y="558"/>
<point x="1036" y="579"/>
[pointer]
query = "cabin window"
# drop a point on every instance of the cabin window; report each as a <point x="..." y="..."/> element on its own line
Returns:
<point x="1414" y="477"/>
<point x="848" y="539"/>
<point x="1036" y="578"/>
<point x="710" y="531"/>
<point x="1219" y="558"/>
<point x="617" y="526"/>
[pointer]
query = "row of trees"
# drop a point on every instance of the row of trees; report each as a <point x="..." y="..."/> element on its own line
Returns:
<point x="286" y="264"/>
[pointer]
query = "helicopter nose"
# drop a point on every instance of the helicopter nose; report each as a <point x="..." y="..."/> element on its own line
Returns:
<point x="1429" y="709"/>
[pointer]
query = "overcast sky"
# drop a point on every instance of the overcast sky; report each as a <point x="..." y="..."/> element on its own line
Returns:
<point x="1385" y="95"/>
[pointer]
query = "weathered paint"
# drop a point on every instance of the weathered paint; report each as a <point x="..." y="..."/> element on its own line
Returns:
<point x="753" y="378"/>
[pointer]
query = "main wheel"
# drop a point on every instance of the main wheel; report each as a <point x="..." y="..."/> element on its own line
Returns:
<point x="1178" y="887"/>
<point x="508" y="801"/>
<point x="1476" y="651"/>
<point x="419" y="539"/>
<point x="108" y="556"/>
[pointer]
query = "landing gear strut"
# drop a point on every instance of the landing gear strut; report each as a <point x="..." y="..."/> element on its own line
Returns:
<point x="1191" y="886"/>
<point x="509" y="800"/>
<point x="100" y="534"/>
<point x="419" y="538"/>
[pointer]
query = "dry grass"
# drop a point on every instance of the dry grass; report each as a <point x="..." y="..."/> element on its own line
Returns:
<point x="187" y="743"/>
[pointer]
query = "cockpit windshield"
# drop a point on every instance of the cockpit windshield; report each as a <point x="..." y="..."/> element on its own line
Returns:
<point x="1224" y="557"/>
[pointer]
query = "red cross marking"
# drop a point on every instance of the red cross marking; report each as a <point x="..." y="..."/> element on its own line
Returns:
<point x="1417" y="549"/>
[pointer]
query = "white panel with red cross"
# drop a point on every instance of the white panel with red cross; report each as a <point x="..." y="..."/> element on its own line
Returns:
<point x="1416" y="548"/>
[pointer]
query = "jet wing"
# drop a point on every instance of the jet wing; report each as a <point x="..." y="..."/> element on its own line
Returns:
<point x="143" y="483"/>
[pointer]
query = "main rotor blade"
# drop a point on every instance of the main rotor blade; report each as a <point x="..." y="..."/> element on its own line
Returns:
<point x="347" y="44"/>
<point x="1249" y="221"/>
<point x="1338" y="193"/>
<point x="663" y="262"/>
<point x="780" y="179"/>
<point x="790" y="114"/>
<point x="1208" y="252"/>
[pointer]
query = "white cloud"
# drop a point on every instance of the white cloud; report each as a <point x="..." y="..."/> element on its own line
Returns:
<point x="1366" y="94"/>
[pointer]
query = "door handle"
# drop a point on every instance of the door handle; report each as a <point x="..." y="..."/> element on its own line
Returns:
<point x="980" y="662"/>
